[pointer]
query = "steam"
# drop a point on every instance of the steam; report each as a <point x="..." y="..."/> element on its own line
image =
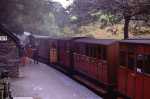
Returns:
<point x="27" y="33"/>
<point x="64" y="3"/>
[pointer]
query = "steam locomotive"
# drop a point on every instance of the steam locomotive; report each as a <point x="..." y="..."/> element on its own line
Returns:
<point x="120" y="68"/>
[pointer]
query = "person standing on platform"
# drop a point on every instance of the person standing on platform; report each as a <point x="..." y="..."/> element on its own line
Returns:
<point x="36" y="55"/>
<point x="23" y="55"/>
<point x="29" y="53"/>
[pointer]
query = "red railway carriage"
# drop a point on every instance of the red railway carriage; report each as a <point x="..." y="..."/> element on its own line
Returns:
<point x="97" y="59"/>
<point x="134" y="70"/>
<point x="65" y="52"/>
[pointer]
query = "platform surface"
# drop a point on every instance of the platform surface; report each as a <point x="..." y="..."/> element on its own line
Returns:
<point x="43" y="82"/>
<point x="22" y="98"/>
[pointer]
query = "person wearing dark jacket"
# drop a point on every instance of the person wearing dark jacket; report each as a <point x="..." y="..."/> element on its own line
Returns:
<point x="36" y="55"/>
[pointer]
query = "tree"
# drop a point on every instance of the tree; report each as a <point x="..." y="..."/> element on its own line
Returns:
<point x="124" y="9"/>
<point x="60" y="13"/>
<point x="28" y="15"/>
<point x="82" y="9"/>
<point x="130" y="10"/>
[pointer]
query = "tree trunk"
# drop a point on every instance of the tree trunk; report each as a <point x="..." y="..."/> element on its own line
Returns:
<point x="126" y="28"/>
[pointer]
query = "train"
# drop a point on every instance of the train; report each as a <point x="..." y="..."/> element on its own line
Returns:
<point x="120" y="68"/>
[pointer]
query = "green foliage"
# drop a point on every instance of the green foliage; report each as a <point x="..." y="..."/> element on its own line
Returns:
<point x="106" y="19"/>
<point x="28" y="15"/>
<point x="73" y="18"/>
<point x="66" y="32"/>
<point x="110" y="12"/>
<point x="139" y="29"/>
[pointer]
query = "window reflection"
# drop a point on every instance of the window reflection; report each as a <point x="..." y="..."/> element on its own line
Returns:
<point x="123" y="58"/>
<point x="131" y="61"/>
<point x="140" y="62"/>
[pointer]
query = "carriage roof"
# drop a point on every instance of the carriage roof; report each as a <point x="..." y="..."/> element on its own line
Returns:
<point x="136" y="41"/>
<point x="96" y="41"/>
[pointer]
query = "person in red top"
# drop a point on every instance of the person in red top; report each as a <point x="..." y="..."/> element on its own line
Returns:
<point x="29" y="53"/>
<point x="23" y="55"/>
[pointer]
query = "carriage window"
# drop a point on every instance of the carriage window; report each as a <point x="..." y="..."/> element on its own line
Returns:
<point x="131" y="57"/>
<point x="123" y="58"/>
<point x="90" y="52"/>
<point x="87" y="51"/>
<point x="78" y="48"/>
<point x="140" y="62"/>
<point x="99" y="52"/>
<point x="147" y="64"/>
<point x="131" y="61"/>
<point x="94" y="52"/>
<point x="53" y="45"/>
<point x="3" y="38"/>
<point x="131" y="49"/>
<point x="104" y="53"/>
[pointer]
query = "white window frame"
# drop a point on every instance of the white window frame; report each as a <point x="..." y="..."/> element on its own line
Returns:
<point x="3" y="38"/>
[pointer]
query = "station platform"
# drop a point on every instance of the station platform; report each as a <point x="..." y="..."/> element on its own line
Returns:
<point x="40" y="81"/>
